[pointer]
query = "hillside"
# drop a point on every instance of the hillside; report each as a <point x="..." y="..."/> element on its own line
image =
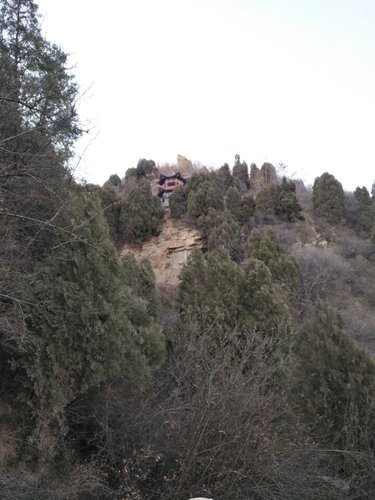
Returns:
<point x="338" y="265"/>
<point x="173" y="334"/>
<point x="168" y="252"/>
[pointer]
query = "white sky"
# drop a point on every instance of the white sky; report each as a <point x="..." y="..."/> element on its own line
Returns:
<point x="272" y="80"/>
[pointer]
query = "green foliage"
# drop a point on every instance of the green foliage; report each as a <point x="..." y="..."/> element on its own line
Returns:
<point x="220" y="294"/>
<point x="365" y="216"/>
<point x="328" y="198"/>
<point x="178" y="202"/>
<point x="206" y="195"/>
<point x="131" y="173"/>
<point x="225" y="177"/>
<point x="266" y="248"/>
<point x="247" y="208"/>
<point x="279" y="200"/>
<point x="88" y="326"/>
<point x="115" y="181"/>
<point x="139" y="277"/>
<point x="241" y="176"/>
<point x="261" y="299"/>
<point x="268" y="173"/>
<point x="233" y="203"/>
<point x="141" y="213"/>
<point x="112" y="209"/>
<point x="335" y="383"/>
<point x="288" y="207"/>
<point x="266" y="200"/>
<point x="209" y="290"/>
<point x="42" y="92"/>
<point x="221" y="230"/>
<point x="144" y="168"/>
<point x="38" y="126"/>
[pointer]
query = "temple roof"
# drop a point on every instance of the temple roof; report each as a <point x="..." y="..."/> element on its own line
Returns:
<point x="164" y="178"/>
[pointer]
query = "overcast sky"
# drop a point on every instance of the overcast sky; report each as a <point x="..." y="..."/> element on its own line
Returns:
<point x="271" y="80"/>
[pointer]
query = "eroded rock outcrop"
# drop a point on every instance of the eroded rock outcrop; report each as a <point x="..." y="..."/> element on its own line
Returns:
<point x="168" y="252"/>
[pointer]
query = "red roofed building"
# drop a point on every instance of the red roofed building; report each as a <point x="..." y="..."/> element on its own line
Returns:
<point x="167" y="184"/>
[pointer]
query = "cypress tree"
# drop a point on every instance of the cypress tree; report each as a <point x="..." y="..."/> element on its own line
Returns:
<point x="141" y="213"/>
<point x="267" y="248"/>
<point x="233" y="203"/>
<point x="241" y="176"/>
<point x="336" y="381"/>
<point x="87" y="327"/>
<point x="178" y="202"/>
<point x="207" y="195"/>
<point x="328" y="198"/>
<point x="225" y="177"/>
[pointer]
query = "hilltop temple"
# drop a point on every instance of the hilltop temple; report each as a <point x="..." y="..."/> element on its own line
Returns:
<point x="167" y="184"/>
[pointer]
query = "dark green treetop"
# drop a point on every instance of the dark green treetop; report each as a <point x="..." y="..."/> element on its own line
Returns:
<point x="328" y="198"/>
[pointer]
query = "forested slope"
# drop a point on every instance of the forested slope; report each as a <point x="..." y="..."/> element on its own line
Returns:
<point x="249" y="376"/>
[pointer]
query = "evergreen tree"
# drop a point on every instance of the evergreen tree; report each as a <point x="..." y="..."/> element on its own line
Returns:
<point x="248" y="208"/>
<point x="241" y="176"/>
<point x="141" y="213"/>
<point x="144" y="168"/>
<point x="206" y="195"/>
<point x="222" y="295"/>
<point x="328" y="198"/>
<point x="233" y="203"/>
<point x="268" y="173"/>
<point x="221" y="230"/>
<point x="261" y="300"/>
<point x="114" y="181"/>
<point x="266" y="200"/>
<point x="288" y="207"/>
<point x="225" y="177"/>
<point x="279" y="200"/>
<point x="209" y="291"/>
<point x="40" y="89"/>
<point x="241" y="208"/>
<point x="335" y="383"/>
<point x="365" y="216"/>
<point x="111" y="204"/>
<point x="266" y="248"/>
<point x="88" y="326"/>
<point x="178" y="202"/>
<point x="38" y="124"/>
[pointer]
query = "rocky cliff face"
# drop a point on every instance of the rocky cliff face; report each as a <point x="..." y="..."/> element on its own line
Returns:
<point x="169" y="251"/>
